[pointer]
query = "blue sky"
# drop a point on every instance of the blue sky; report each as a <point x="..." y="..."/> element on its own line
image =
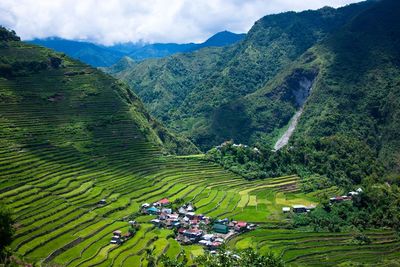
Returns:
<point x="114" y="21"/>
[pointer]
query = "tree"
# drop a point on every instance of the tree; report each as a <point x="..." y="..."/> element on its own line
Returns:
<point x="250" y="258"/>
<point x="55" y="62"/>
<point x="168" y="262"/>
<point x="245" y="258"/>
<point x="6" y="230"/>
<point x="151" y="260"/>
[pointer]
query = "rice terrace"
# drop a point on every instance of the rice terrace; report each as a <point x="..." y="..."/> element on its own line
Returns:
<point x="275" y="147"/>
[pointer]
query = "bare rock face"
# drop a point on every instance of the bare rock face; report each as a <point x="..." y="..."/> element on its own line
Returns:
<point x="300" y="89"/>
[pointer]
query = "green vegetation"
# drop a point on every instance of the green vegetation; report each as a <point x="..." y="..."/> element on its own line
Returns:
<point x="347" y="131"/>
<point x="6" y="35"/>
<point x="245" y="258"/>
<point x="198" y="93"/>
<point x="346" y="136"/>
<point x="78" y="85"/>
<point x="72" y="136"/>
<point x="6" y="231"/>
<point x="342" y="160"/>
<point x="376" y="207"/>
<point x="307" y="248"/>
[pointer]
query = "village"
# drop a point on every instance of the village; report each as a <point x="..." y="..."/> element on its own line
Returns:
<point x="191" y="228"/>
<point x="332" y="200"/>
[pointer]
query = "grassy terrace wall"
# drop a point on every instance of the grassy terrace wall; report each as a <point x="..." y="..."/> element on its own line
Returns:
<point x="71" y="136"/>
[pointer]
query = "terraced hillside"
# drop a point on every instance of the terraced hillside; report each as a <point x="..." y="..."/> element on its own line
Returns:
<point x="321" y="249"/>
<point x="71" y="136"/>
<point x="55" y="202"/>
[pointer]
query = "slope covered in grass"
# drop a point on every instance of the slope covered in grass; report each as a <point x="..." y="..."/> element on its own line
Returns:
<point x="71" y="136"/>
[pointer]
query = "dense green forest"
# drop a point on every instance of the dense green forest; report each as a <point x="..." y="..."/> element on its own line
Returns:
<point x="348" y="132"/>
<point x="355" y="95"/>
<point x="196" y="93"/>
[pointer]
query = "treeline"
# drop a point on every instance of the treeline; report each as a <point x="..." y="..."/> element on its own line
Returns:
<point x="376" y="207"/>
<point x="227" y="258"/>
<point x="336" y="160"/>
<point x="321" y="163"/>
<point x="6" y="35"/>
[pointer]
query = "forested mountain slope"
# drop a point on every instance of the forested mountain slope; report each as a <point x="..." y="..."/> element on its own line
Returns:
<point x="187" y="91"/>
<point x="349" y="126"/>
<point x="357" y="93"/>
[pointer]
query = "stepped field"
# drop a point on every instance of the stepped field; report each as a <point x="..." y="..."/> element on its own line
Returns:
<point x="55" y="202"/>
<point x="321" y="249"/>
<point x="71" y="136"/>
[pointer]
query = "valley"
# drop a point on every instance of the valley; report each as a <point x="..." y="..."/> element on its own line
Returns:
<point x="283" y="142"/>
<point x="53" y="185"/>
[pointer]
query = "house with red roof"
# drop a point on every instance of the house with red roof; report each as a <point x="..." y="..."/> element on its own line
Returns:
<point x="241" y="226"/>
<point x="164" y="201"/>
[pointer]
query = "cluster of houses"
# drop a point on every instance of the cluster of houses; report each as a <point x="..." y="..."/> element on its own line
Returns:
<point x="332" y="200"/>
<point x="347" y="197"/>
<point x="192" y="228"/>
<point x="298" y="209"/>
<point x="226" y="143"/>
<point x="118" y="238"/>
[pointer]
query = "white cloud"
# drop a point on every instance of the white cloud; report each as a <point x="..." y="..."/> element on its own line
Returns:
<point x="112" y="21"/>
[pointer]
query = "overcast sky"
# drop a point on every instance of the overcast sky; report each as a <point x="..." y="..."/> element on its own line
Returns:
<point x="113" y="21"/>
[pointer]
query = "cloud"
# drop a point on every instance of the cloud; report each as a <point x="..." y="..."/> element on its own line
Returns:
<point x="115" y="21"/>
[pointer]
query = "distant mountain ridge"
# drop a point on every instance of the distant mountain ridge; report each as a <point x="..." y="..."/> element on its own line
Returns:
<point x="103" y="56"/>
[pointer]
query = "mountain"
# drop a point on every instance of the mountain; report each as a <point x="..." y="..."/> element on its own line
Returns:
<point x="194" y="93"/>
<point x="345" y="94"/>
<point x="356" y="92"/>
<point x="223" y="38"/>
<point x="79" y="156"/>
<point x="158" y="50"/>
<point x="102" y="56"/>
<point x="70" y="104"/>
<point x="92" y="54"/>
